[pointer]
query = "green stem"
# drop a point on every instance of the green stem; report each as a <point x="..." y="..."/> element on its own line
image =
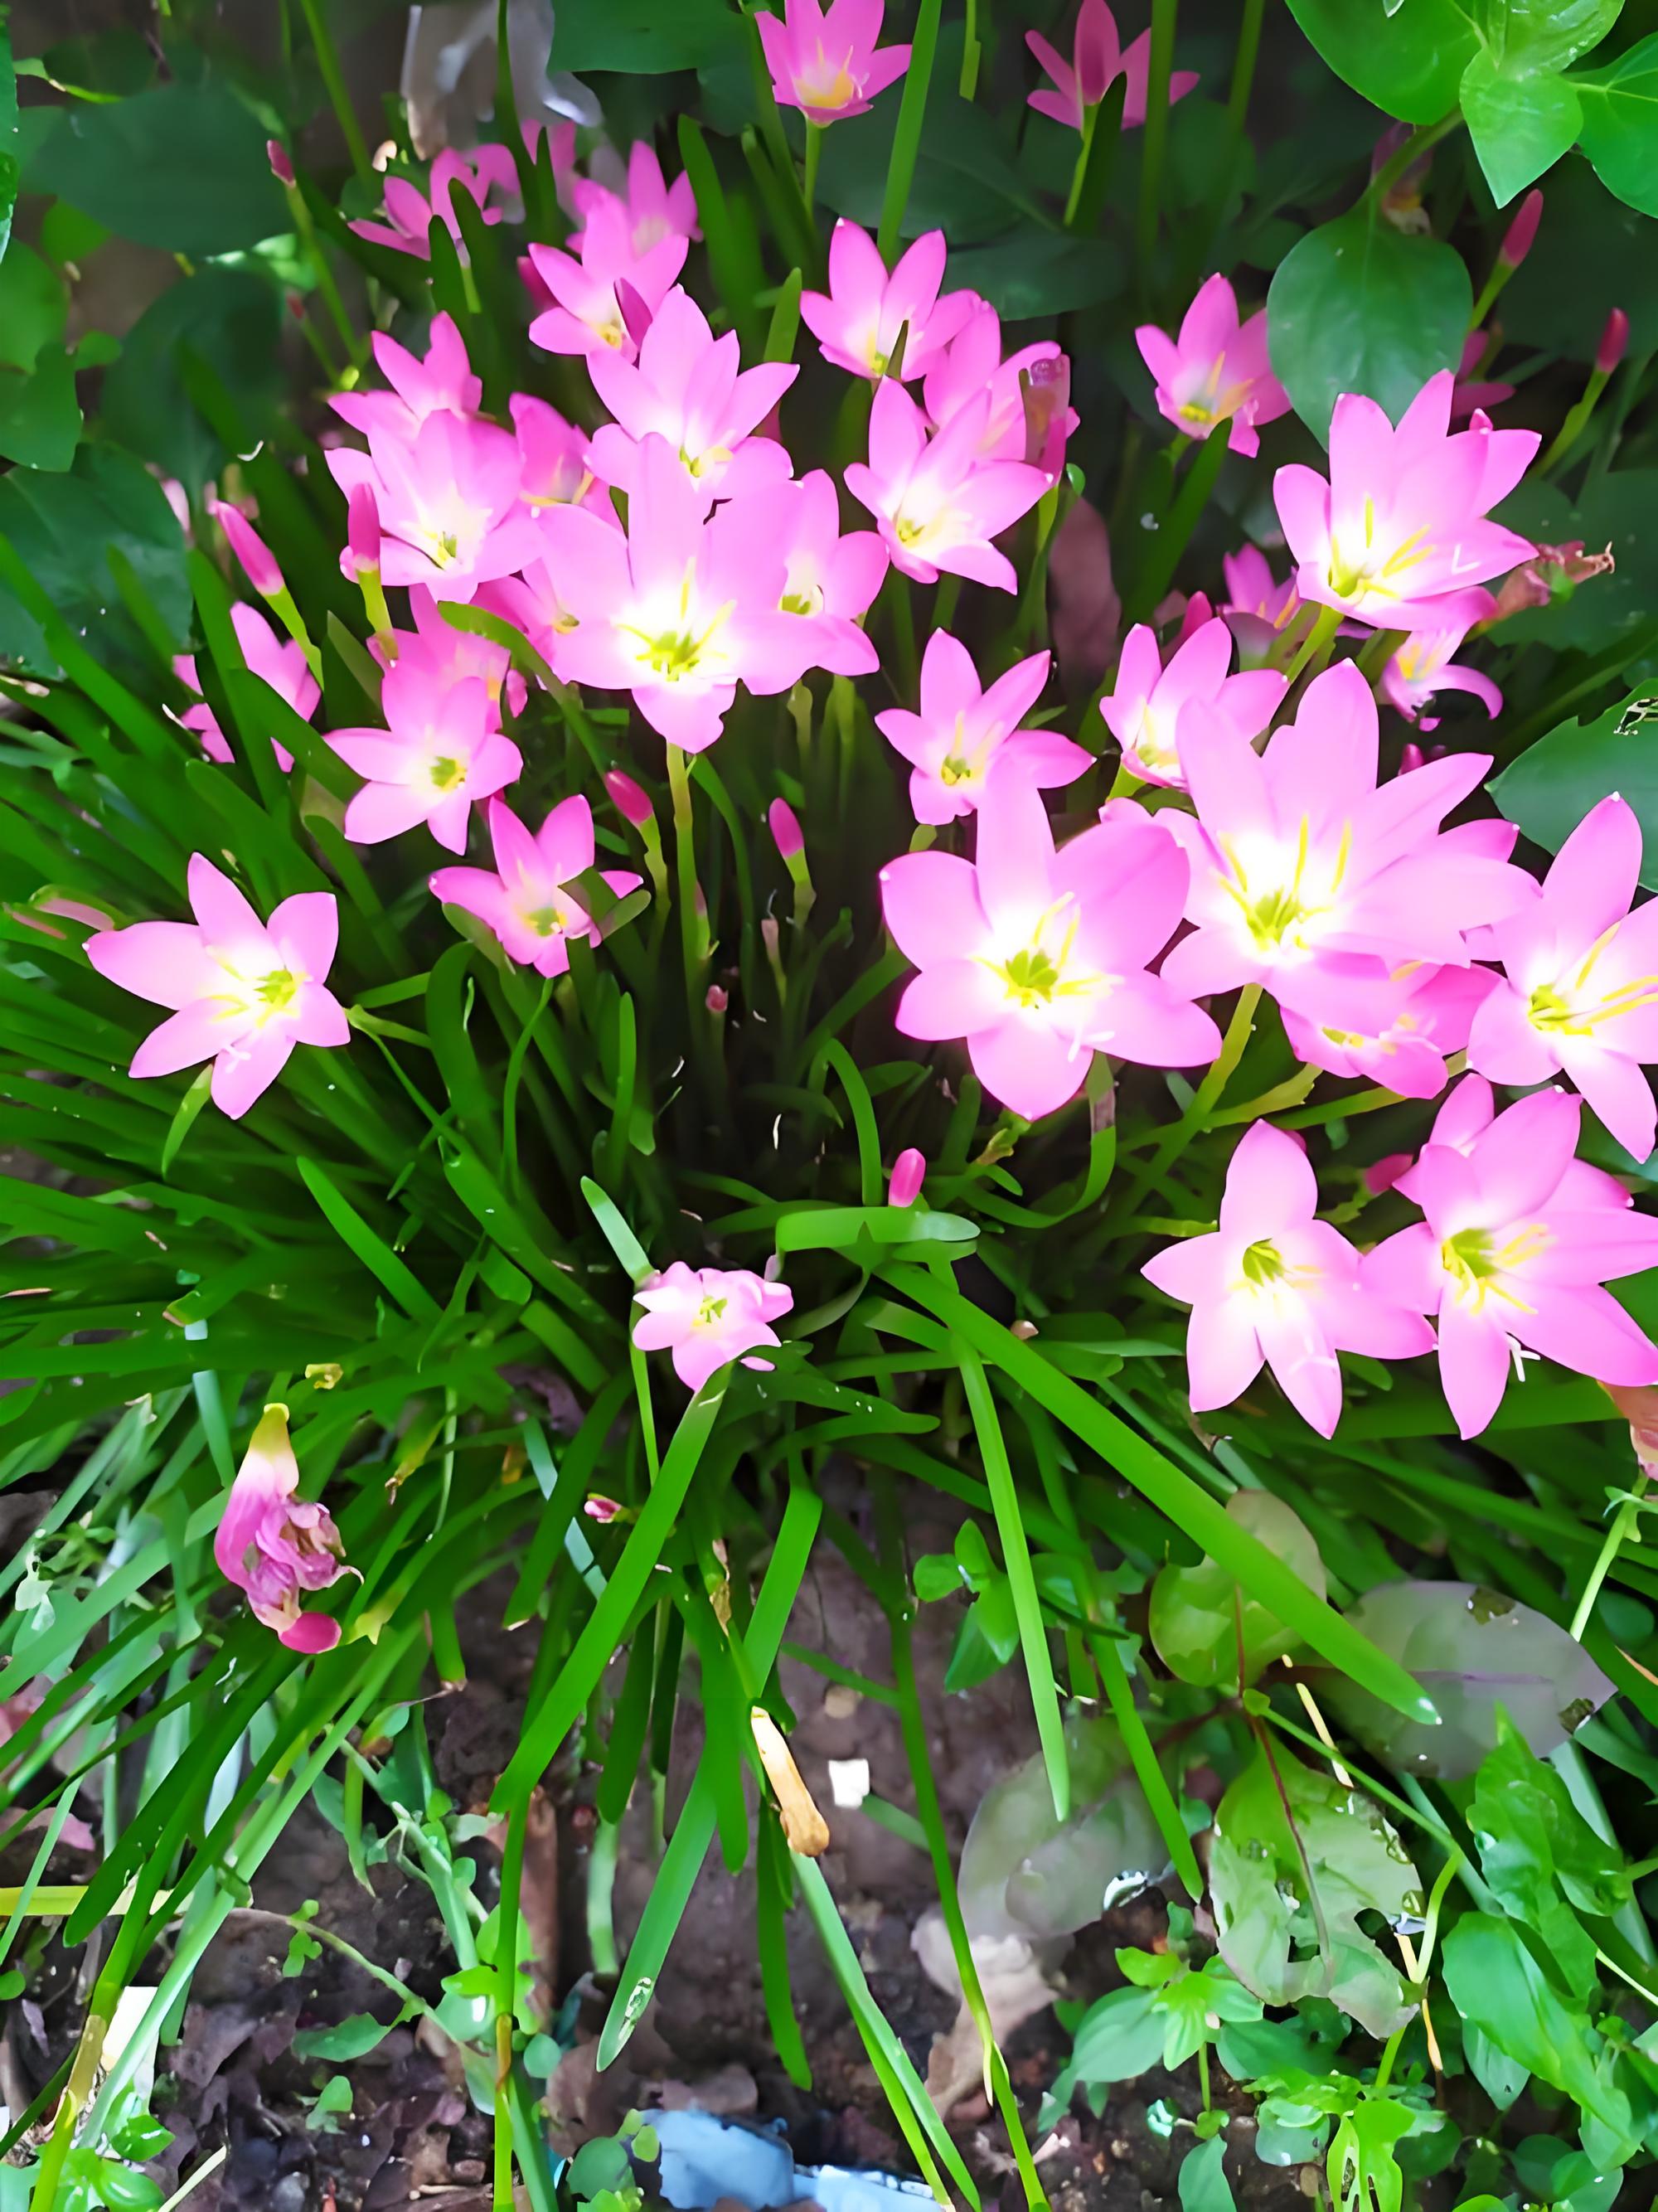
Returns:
<point x="814" y="155"/>
<point x="1421" y="139"/>
<point x="1628" y="1515"/>
<point x="333" y="77"/>
<point x="1208" y="1094"/>
<point x="1243" y="66"/>
<point x="1156" y="141"/>
<point x="1377" y="650"/>
<point x="512" y="1875"/>
<point x="1316" y="646"/>
<point x="970" y="51"/>
<point x="1078" y="175"/>
<point x="356" y="348"/>
<point x="684" y="854"/>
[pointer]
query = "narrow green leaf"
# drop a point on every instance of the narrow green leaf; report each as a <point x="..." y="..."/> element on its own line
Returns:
<point x="906" y="138"/>
<point x="634" y="1258"/>
<point x="375" y="1254"/>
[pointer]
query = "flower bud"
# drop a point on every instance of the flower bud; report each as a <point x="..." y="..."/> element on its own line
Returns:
<point x="1613" y="340"/>
<point x="282" y="167"/>
<point x="602" y="1510"/>
<point x="718" y="999"/>
<point x="1518" y="238"/>
<point x="362" y="528"/>
<point x="908" y="1174"/>
<point x="784" y="829"/>
<point x="629" y="800"/>
<point x="249" y="548"/>
<point x="1381" y="1175"/>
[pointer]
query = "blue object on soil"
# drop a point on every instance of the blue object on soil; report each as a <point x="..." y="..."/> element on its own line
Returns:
<point x="705" y="2159"/>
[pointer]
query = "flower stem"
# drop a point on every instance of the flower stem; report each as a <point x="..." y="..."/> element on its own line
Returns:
<point x="1316" y="646"/>
<point x="814" y="155"/>
<point x="1243" y="66"/>
<point x="333" y="77"/>
<point x="1628" y="1513"/>
<point x="1078" y="175"/>
<point x="1195" y="1119"/>
<point x="1157" y="131"/>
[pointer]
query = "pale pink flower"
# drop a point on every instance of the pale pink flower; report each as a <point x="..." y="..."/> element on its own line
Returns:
<point x="1580" y="992"/>
<point x="937" y="503"/>
<point x="1296" y="854"/>
<point x="277" y="1547"/>
<point x="587" y="315"/>
<point x="279" y="661"/>
<point x="1150" y="705"/>
<point x="242" y="992"/>
<point x="1423" y="665"/>
<point x="1274" y="1285"/>
<point x="1040" y="958"/>
<point x="963" y="731"/>
<point x="1355" y="1016"/>
<point x="686" y="386"/>
<point x="1096" y="62"/>
<point x="444" y="656"/>
<point x="527" y="902"/>
<point x="448" y="500"/>
<point x="1030" y="417"/>
<point x="553" y="457"/>
<point x="857" y="321"/>
<point x="709" y="1316"/>
<point x="650" y="207"/>
<point x="1513" y="1252"/>
<point x="442" y="750"/>
<point x="1464" y="1117"/>
<point x="1399" y="535"/>
<point x="442" y="382"/>
<point x="487" y="173"/>
<point x="824" y="61"/>
<point x="1217" y="370"/>
<point x="829" y="580"/>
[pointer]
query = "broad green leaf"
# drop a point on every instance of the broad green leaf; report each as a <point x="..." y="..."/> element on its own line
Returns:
<point x="1357" y="307"/>
<point x="1555" y="782"/>
<point x="1590" y="249"/>
<point x="233" y="318"/>
<point x="642" y="38"/>
<point x="1521" y="121"/>
<point x="39" y="415"/>
<point x="33" y="307"/>
<point x="62" y="525"/>
<point x="1620" y="123"/>
<point x="1473" y="1650"/>
<point x="1541" y="34"/>
<point x="1203" y="2185"/>
<point x="1195" y="1621"/>
<point x="1501" y="2077"/>
<point x="354" y="2038"/>
<point x="965" y="182"/>
<point x="1117" y="2038"/>
<point x="1409" y="62"/>
<point x="1040" y="273"/>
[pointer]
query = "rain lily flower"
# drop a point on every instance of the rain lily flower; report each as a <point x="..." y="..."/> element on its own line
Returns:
<point x="1096" y="62"/>
<point x="442" y="381"/>
<point x="1355" y="1016"/>
<point x="678" y="610"/>
<point x="687" y="387"/>
<point x="1217" y="370"/>
<point x="1273" y="1285"/>
<point x="938" y="505"/>
<point x="1423" y="665"/>
<point x="963" y="732"/>
<point x="441" y="750"/>
<point x="824" y="61"/>
<point x="830" y="581"/>
<point x="553" y="453"/>
<point x="1040" y="958"/>
<point x="1580" y="987"/>
<point x="1513" y="1250"/>
<point x="278" y="661"/>
<point x="859" y="320"/>
<point x="487" y="173"/>
<point x="707" y="1317"/>
<point x="587" y="316"/>
<point x="1399" y="535"/>
<point x="1031" y="416"/>
<point x="1257" y="607"/>
<point x="276" y="1547"/>
<point x="242" y="993"/>
<point x="650" y="207"/>
<point x="448" y="503"/>
<point x="525" y="902"/>
<point x="1150" y="707"/>
<point x="1296" y="854"/>
<point x="444" y="656"/>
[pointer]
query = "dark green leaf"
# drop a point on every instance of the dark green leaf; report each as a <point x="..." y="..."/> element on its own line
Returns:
<point x="1521" y="122"/>
<point x="62" y="525"/>
<point x="1620" y="123"/>
<point x="1501" y="2077"/>
<point x="39" y="415"/>
<point x="1040" y="273"/>
<point x="232" y="320"/>
<point x="1615" y="512"/>
<point x="33" y="307"/>
<point x="1590" y="249"/>
<point x="1409" y="62"/>
<point x="965" y="182"/>
<point x="642" y="37"/>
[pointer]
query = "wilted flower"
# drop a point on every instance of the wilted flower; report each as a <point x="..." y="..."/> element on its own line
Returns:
<point x="707" y="1317"/>
<point x="277" y="1547"/>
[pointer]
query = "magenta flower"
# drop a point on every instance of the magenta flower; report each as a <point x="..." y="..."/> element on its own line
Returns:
<point x="443" y="381"/>
<point x="830" y="581"/>
<point x="680" y="610"/>
<point x="1399" y="536"/>
<point x="553" y="454"/>
<point x="857" y="321"/>
<point x="442" y="751"/>
<point x="1296" y="854"/>
<point x="1030" y="417"/>
<point x="1423" y="665"/>
<point x="1580" y="992"/>
<point x="488" y="172"/>
<point x="963" y="731"/>
<point x="1355" y="1016"/>
<point x="276" y="1547"/>
<point x="448" y="500"/>
<point x="242" y="992"/>
<point x="825" y="61"/>
<point x="709" y="1316"/>
<point x="587" y="315"/>
<point x="1040" y="958"/>
<point x="1096" y="62"/>
<point x="1217" y="370"/>
<point x="648" y="206"/>
<point x="1273" y="1285"/>
<point x="525" y="902"/>
<point x="938" y="504"/>
<point x="1512" y="1253"/>
<point x="1152" y="705"/>
<point x="687" y="387"/>
<point x="279" y="661"/>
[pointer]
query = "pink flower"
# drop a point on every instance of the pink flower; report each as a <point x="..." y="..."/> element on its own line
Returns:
<point x="651" y="209"/>
<point x="243" y="992"/>
<point x="1152" y="706"/>
<point x="587" y="316"/>
<point x="448" y="500"/>
<point x="1580" y="988"/>
<point x="1217" y="370"/>
<point x="1030" y="417"/>
<point x="687" y="387"/>
<point x="1355" y="1016"/>
<point x="486" y="170"/>
<point x="258" y="563"/>
<point x="524" y="902"/>
<point x="709" y="1316"/>
<point x="1296" y="854"/>
<point x="276" y="1547"/>
<point x="443" y="381"/>
<point x="1513" y="1252"/>
<point x="279" y="661"/>
<point x="1096" y="62"/>
<point x="1257" y="607"/>
<point x="1040" y="958"/>
<point x="682" y="608"/>
<point x="1399" y="535"/>
<point x="553" y="454"/>
<point x="1274" y="1285"/>
<point x="938" y="505"/>
<point x="963" y="731"/>
<point x="442" y="751"/>
<point x="908" y="1174"/>
<point x="857" y="322"/>
<point x="824" y="61"/>
<point x="1423" y="665"/>
<point x="830" y="581"/>
<point x="444" y="656"/>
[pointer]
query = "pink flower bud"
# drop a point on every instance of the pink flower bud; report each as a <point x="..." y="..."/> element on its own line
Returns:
<point x="1518" y="238"/>
<point x="1613" y="339"/>
<point x="282" y="167"/>
<point x="1410" y="757"/>
<point x="601" y="1509"/>
<point x="362" y="528"/>
<point x="249" y="548"/>
<point x="908" y="1174"/>
<point x="629" y="800"/>
<point x="786" y="828"/>
<point x="1386" y="1172"/>
<point x="295" y="302"/>
<point x="718" y="999"/>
